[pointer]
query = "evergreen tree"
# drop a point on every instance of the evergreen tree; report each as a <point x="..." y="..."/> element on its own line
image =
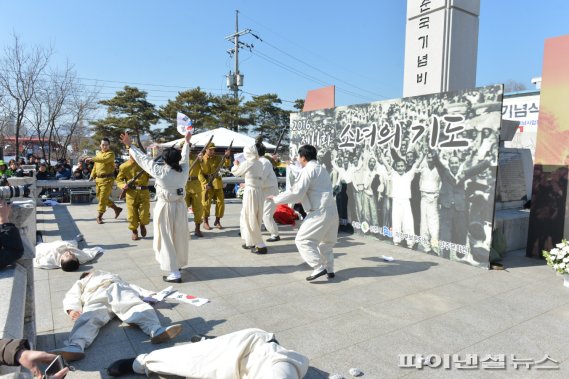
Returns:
<point x="128" y="111"/>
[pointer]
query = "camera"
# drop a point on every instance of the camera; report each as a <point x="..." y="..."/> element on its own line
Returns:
<point x="9" y="192"/>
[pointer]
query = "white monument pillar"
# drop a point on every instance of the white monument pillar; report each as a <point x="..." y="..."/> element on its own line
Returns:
<point x="441" y="44"/>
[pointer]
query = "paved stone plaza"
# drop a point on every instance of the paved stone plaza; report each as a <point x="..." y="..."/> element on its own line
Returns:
<point x="369" y="314"/>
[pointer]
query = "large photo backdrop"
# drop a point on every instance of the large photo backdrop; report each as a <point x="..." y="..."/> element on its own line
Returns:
<point x="419" y="171"/>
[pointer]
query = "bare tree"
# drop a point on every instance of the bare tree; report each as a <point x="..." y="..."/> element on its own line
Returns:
<point x="59" y="108"/>
<point x="514" y="86"/>
<point x="79" y="108"/>
<point x="19" y="76"/>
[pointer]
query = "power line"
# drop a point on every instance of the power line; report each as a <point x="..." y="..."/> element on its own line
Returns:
<point x="311" y="51"/>
<point x="317" y="69"/>
<point x="307" y="76"/>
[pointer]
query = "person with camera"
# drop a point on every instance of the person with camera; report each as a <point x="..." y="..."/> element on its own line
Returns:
<point x="11" y="247"/>
<point x="104" y="173"/>
<point x="171" y="232"/>
<point x="17" y="352"/>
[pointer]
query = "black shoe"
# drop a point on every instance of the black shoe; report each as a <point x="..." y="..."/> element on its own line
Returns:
<point x="315" y="276"/>
<point x="274" y="239"/>
<point x="259" y="250"/>
<point x="247" y="247"/>
<point x="200" y="337"/>
<point x="178" y="280"/>
<point x="121" y="367"/>
<point x="331" y="275"/>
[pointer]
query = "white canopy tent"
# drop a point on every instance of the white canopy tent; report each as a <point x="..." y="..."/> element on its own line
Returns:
<point x="221" y="138"/>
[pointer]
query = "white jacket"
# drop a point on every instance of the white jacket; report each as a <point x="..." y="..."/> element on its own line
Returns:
<point x="94" y="287"/>
<point x="48" y="254"/>
<point x="313" y="188"/>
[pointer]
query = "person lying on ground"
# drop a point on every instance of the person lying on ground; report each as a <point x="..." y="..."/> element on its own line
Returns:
<point x="64" y="255"/>
<point x="248" y="353"/>
<point x="95" y="299"/>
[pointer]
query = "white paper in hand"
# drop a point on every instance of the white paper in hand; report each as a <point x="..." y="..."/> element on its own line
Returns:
<point x="239" y="157"/>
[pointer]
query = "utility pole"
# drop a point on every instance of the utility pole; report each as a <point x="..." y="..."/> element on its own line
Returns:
<point x="235" y="79"/>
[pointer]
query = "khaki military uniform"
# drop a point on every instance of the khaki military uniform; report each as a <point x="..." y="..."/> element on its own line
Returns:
<point x="104" y="174"/>
<point x="209" y="165"/>
<point x="194" y="190"/>
<point x="138" y="198"/>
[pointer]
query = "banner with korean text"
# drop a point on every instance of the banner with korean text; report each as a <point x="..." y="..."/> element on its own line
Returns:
<point x="419" y="172"/>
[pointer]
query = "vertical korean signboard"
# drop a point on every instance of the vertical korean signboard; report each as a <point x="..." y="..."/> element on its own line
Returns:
<point x="440" y="46"/>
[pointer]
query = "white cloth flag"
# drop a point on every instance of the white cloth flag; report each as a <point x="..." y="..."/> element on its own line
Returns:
<point x="184" y="124"/>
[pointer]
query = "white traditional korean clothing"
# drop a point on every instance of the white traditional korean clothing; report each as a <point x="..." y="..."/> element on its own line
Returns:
<point x="319" y="231"/>
<point x="100" y="296"/>
<point x="48" y="254"/>
<point x="252" y="212"/>
<point x="246" y="354"/>
<point x="270" y="188"/>
<point x="171" y="234"/>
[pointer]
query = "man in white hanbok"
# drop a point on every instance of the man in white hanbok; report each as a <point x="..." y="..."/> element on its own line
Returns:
<point x="95" y="299"/>
<point x="245" y="354"/>
<point x="319" y="231"/>
<point x="171" y="233"/>
<point x="270" y="188"/>
<point x="64" y="255"/>
<point x="252" y="212"/>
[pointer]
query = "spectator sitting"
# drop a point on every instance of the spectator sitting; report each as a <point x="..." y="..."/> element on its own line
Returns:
<point x="42" y="173"/>
<point x="14" y="166"/>
<point x="33" y="160"/>
<point x="79" y="172"/>
<point x="4" y="170"/>
<point x="62" y="172"/>
<point x="11" y="247"/>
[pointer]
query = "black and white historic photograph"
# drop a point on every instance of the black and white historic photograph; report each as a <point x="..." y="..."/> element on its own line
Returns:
<point x="419" y="172"/>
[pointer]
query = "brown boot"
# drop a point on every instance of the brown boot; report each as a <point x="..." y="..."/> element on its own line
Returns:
<point x="134" y="236"/>
<point x="117" y="210"/>
<point x="217" y="223"/>
<point x="198" y="232"/>
<point x="206" y="224"/>
<point x="143" y="230"/>
<point x="100" y="219"/>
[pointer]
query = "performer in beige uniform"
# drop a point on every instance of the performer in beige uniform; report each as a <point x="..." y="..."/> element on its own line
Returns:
<point x="104" y="173"/>
<point x="137" y="197"/>
<point x="245" y="354"/>
<point x="252" y="211"/>
<point x="270" y="188"/>
<point x="209" y="165"/>
<point x="170" y="221"/>
<point x="319" y="231"/>
<point x="194" y="192"/>
<point x="95" y="299"/>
